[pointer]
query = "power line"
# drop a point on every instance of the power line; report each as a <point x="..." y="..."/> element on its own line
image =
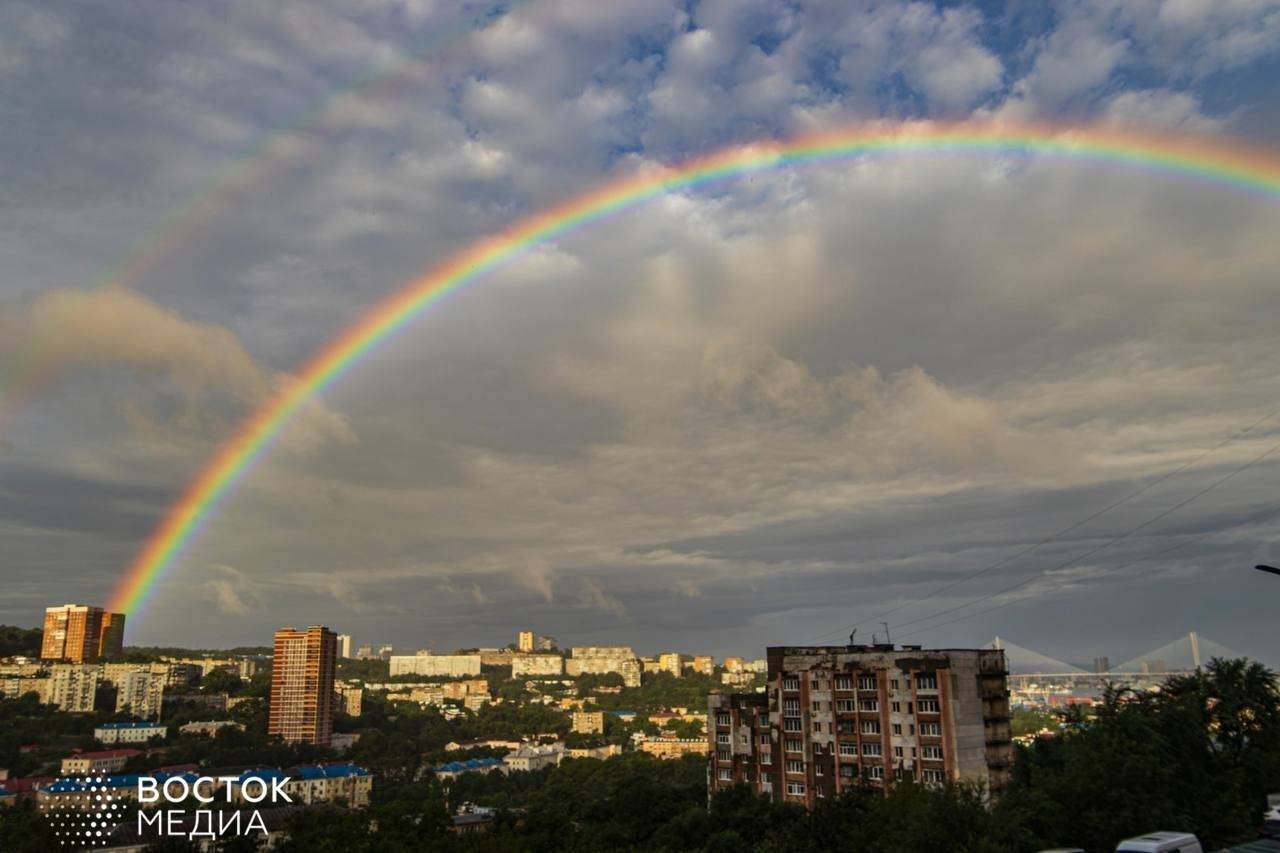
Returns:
<point x="1055" y="536"/>
<point x="1110" y="571"/>
<point x="1126" y="534"/>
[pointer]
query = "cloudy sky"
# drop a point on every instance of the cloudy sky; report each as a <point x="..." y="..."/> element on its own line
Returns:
<point x="746" y="416"/>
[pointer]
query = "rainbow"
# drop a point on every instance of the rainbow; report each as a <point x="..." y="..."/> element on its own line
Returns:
<point x="38" y="360"/>
<point x="1232" y="167"/>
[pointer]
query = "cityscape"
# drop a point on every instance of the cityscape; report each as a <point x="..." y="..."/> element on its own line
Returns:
<point x="689" y="426"/>
<point x="800" y="727"/>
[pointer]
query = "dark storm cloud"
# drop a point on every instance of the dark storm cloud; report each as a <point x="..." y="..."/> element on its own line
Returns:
<point x="725" y="420"/>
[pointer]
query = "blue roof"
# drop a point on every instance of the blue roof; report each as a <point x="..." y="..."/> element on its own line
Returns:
<point x="468" y="765"/>
<point x="330" y="771"/>
<point x="130" y="780"/>
<point x="142" y="725"/>
<point x="623" y="712"/>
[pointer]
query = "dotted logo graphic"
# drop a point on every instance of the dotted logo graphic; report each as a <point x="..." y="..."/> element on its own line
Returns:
<point x="82" y="811"/>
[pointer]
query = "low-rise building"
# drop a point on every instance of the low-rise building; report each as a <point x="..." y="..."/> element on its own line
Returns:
<point x="454" y="769"/>
<point x="529" y="757"/>
<point x="109" y="733"/>
<point x="210" y="728"/>
<point x="599" y="751"/>
<point x="101" y="761"/>
<point x="341" y="742"/>
<point x="670" y="747"/>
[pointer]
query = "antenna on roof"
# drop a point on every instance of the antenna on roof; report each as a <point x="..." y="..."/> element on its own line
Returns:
<point x="852" y="634"/>
<point x="886" y="633"/>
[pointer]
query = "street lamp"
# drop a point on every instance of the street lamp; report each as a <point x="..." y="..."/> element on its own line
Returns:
<point x="1271" y="569"/>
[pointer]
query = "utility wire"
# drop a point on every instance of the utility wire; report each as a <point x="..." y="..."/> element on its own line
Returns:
<point x="1193" y="540"/>
<point x="1125" y="535"/>
<point x="1064" y="531"/>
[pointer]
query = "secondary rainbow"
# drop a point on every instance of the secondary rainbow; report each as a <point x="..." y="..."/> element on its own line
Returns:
<point x="39" y="359"/>
<point x="1195" y="159"/>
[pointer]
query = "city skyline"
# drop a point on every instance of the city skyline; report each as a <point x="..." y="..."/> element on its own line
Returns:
<point x="777" y="406"/>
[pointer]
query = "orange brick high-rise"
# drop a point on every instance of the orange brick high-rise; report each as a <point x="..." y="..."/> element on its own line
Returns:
<point x="79" y="633"/>
<point x="302" y="670"/>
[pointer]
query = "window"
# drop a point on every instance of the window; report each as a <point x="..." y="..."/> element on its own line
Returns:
<point x="869" y="705"/>
<point x="766" y="758"/>
<point x="725" y="774"/>
<point x="795" y="789"/>
<point x="791" y="724"/>
<point x="870" y="727"/>
<point x="722" y="719"/>
<point x="724" y="755"/>
<point x="931" y="729"/>
<point x="817" y="771"/>
<point x="846" y="727"/>
<point x="817" y="726"/>
<point x="844" y="682"/>
<point x="866" y="682"/>
<point x="723" y="738"/>
<point x="911" y="728"/>
<point x="894" y="684"/>
<point x="848" y="749"/>
<point x="935" y="776"/>
<point x="764" y="737"/>
<point x="795" y="766"/>
<point x="744" y="738"/>
<point x="791" y="683"/>
<point x="848" y="771"/>
<point x="911" y="709"/>
<point x="897" y="752"/>
<point x="763" y="720"/>
<point x="791" y="706"/>
<point x="875" y="771"/>
<point x="928" y="706"/>
<point x="897" y="728"/>
<point x="844" y="706"/>
<point x="896" y="707"/>
<point x="873" y="749"/>
<point x="814" y="684"/>
<point x="927" y="681"/>
<point x="816" y="706"/>
<point x="795" y="745"/>
<point x="933" y="752"/>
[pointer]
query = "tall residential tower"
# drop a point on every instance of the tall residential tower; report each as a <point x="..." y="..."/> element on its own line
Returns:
<point x="302" y="670"/>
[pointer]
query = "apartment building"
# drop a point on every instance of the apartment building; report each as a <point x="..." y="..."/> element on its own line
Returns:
<point x="111" y="733"/>
<point x="833" y="717"/>
<point x="588" y="722"/>
<point x="536" y="664"/>
<point x="140" y="692"/>
<point x="79" y="633"/>
<point x="425" y="663"/>
<point x="302" y="669"/>
<point x="73" y="687"/>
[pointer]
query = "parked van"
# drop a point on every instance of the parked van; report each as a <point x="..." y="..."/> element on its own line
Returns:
<point x="1161" y="842"/>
